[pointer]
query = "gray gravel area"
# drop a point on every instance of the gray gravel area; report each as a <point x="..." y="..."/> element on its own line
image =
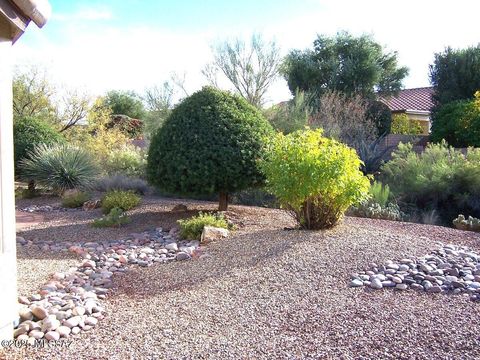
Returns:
<point x="269" y="293"/>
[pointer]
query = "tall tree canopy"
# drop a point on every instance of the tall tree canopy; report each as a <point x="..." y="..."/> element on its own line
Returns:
<point x="125" y="103"/>
<point x="345" y="63"/>
<point x="250" y="68"/>
<point x="455" y="74"/>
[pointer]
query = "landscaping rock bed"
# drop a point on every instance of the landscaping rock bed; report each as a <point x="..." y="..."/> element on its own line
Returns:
<point x="71" y="301"/>
<point x="451" y="269"/>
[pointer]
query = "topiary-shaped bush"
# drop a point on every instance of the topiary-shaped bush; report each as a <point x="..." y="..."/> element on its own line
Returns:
<point x="317" y="178"/>
<point x="29" y="132"/>
<point x="209" y="144"/>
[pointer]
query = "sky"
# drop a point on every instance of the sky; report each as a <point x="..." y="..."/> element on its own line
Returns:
<point x="96" y="46"/>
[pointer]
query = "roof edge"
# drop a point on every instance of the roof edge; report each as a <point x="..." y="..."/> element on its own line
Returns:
<point x="37" y="10"/>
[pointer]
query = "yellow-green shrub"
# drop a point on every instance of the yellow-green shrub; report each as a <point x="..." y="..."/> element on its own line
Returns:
<point x="75" y="200"/>
<point x="402" y="124"/>
<point x="315" y="177"/>
<point x="124" y="200"/>
<point x="192" y="228"/>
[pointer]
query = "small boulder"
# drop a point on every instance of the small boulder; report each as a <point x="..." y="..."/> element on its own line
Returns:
<point x="211" y="233"/>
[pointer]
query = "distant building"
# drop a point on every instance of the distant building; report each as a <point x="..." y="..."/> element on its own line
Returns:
<point x="416" y="103"/>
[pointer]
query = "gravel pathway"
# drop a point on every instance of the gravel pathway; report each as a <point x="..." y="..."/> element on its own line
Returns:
<point x="269" y="293"/>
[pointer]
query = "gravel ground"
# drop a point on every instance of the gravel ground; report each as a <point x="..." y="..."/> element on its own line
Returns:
<point x="269" y="293"/>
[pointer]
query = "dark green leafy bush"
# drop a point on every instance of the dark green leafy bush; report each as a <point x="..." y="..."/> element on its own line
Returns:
<point x="75" y="200"/>
<point x="209" y="144"/>
<point x="441" y="178"/>
<point x="458" y="123"/>
<point x="115" y="218"/>
<point x="124" y="200"/>
<point x="192" y="228"/>
<point x="60" y="167"/>
<point x="29" y="132"/>
<point x="316" y="178"/>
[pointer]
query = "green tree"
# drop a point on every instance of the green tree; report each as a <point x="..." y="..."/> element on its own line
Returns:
<point x="455" y="74"/>
<point x="251" y="68"/>
<point x="209" y="144"/>
<point x="351" y="65"/>
<point x="125" y="103"/>
<point x="458" y="122"/>
<point x="159" y="101"/>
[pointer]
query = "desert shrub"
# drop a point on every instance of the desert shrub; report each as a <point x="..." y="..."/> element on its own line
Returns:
<point x="401" y="124"/>
<point x="122" y="182"/>
<point x="316" y="178"/>
<point x="379" y="193"/>
<point x="209" y="144"/>
<point x="381" y="115"/>
<point x="124" y="200"/>
<point x="192" y="228"/>
<point x="115" y="218"/>
<point x="75" y="200"/>
<point x="60" y="167"/>
<point x="29" y="132"/>
<point x="373" y="210"/>
<point x="471" y="223"/>
<point x="254" y="197"/>
<point x="440" y="179"/>
<point x="28" y="193"/>
<point x="372" y="154"/>
<point x="130" y="161"/>
<point x="458" y="123"/>
<point x="290" y="116"/>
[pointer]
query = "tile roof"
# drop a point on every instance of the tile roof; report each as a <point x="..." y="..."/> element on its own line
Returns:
<point x="411" y="99"/>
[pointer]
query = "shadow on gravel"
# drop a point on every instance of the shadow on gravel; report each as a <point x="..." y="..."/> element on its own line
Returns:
<point x="224" y="259"/>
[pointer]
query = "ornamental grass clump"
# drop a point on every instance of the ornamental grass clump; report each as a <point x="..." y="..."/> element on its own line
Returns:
<point x="59" y="167"/>
<point x="314" y="177"/>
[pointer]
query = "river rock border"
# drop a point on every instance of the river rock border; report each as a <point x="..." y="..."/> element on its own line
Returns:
<point x="451" y="269"/>
<point x="71" y="301"/>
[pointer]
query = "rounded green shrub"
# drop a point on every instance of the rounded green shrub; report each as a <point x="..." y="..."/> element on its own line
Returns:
<point x="29" y="132"/>
<point x="59" y="167"/>
<point x="209" y="144"/>
<point x="458" y="123"/>
<point x="316" y="178"/>
<point x="124" y="200"/>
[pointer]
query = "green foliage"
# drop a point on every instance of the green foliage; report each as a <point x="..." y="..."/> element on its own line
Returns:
<point x="315" y="177"/>
<point x="122" y="182"/>
<point x="29" y="132"/>
<point x="290" y="116"/>
<point x="115" y="218"/>
<point x="372" y="154"/>
<point x="159" y="102"/>
<point x="379" y="193"/>
<point x="373" y="210"/>
<point x="124" y="200"/>
<point x="351" y="65"/>
<point x="60" y="167"/>
<point x="472" y="224"/>
<point x="401" y="124"/>
<point x="192" y="228"/>
<point x="458" y="123"/>
<point x="132" y="128"/>
<point x="125" y="103"/>
<point x="440" y="178"/>
<point x="381" y="115"/>
<point x="130" y="161"/>
<point x="75" y="200"/>
<point x="209" y="144"/>
<point x="254" y="197"/>
<point x="455" y="74"/>
<point x="28" y="193"/>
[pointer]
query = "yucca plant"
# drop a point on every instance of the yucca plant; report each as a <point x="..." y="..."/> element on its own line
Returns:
<point x="60" y="167"/>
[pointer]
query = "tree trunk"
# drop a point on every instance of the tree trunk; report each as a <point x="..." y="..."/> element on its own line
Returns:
<point x="31" y="186"/>
<point x="223" y="201"/>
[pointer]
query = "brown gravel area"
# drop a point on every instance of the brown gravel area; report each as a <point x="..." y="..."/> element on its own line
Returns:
<point x="269" y="293"/>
